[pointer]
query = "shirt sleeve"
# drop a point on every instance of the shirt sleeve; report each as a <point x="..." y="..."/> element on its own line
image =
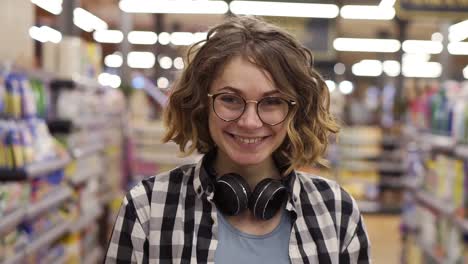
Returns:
<point x="128" y="238"/>
<point x="358" y="248"/>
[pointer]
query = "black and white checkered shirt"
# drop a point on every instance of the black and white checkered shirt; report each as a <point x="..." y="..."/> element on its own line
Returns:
<point x="171" y="218"/>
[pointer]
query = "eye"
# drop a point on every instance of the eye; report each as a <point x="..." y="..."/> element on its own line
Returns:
<point x="230" y="99"/>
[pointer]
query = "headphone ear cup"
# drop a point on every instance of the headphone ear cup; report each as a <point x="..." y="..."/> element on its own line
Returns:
<point x="232" y="194"/>
<point x="267" y="198"/>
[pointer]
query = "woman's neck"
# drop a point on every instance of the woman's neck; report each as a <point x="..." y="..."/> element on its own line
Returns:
<point x="253" y="174"/>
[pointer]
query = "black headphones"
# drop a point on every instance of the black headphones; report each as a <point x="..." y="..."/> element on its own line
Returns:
<point x="232" y="195"/>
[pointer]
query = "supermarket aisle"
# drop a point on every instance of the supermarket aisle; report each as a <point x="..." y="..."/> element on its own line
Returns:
<point x="385" y="238"/>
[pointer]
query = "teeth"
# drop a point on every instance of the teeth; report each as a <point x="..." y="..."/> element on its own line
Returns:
<point x="248" y="140"/>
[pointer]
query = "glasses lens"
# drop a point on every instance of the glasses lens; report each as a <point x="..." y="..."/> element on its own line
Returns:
<point x="273" y="110"/>
<point x="229" y="106"/>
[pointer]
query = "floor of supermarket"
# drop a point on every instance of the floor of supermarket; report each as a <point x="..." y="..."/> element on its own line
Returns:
<point x="385" y="238"/>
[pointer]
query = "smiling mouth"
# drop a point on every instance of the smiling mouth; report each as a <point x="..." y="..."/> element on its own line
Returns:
<point x="247" y="140"/>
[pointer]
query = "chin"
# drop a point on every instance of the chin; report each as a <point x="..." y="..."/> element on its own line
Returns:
<point x="248" y="159"/>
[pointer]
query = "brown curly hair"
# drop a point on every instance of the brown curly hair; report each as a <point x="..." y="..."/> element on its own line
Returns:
<point x="290" y="66"/>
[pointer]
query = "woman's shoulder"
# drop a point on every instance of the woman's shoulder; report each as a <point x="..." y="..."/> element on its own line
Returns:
<point x="327" y="190"/>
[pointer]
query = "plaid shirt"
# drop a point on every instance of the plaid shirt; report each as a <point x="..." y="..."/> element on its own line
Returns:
<point x="171" y="218"/>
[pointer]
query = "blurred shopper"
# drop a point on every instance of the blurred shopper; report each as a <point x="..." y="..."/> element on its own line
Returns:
<point x="249" y="100"/>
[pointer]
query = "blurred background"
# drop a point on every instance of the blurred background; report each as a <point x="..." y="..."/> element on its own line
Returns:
<point x="83" y="84"/>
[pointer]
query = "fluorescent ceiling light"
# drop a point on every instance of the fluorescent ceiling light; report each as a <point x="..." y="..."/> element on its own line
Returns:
<point x="164" y="38"/>
<point x="51" y="6"/>
<point x="165" y="62"/>
<point x="174" y="6"/>
<point x="367" y="12"/>
<point x="422" y="70"/>
<point x="465" y="72"/>
<point x="387" y="3"/>
<point x="178" y="63"/>
<point x="415" y="58"/>
<point x="87" y="21"/>
<point x="182" y="38"/>
<point x="346" y="87"/>
<point x="108" y="36"/>
<point x="142" y="37"/>
<point x="422" y="46"/>
<point x="437" y="36"/>
<point x="391" y="67"/>
<point x="331" y="85"/>
<point x="45" y="34"/>
<point x="141" y="59"/>
<point x="367" y="68"/>
<point x="261" y="8"/>
<point x="459" y="31"/>
<point x="458" y="48"/>
<point x="366" y="45"/>
<point x="162" y="83"/>
<point x="107" y="79"/>
<point x="113" y="60"/>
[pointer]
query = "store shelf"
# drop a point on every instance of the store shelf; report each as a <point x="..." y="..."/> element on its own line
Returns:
<point x="372" y="207"/>
<point x="391" y="167"/>
<point x="438" y="141"/>
<point x="11" y="220"/>
<point x="16" y="259"/>
<point x="435" y="204"/>
<point x="85" y="220"/>
<point x="462" y="151"/>
<point x="95" y="256"/>
<point x="392" y="182"/>
<point x="51" y="201"/>
<point x="47" y="238"/>
<point x="85" y="151"/>
<point x="60" y="260"/>
<point x="39" y="169"/>
<point x="83" y="176"/>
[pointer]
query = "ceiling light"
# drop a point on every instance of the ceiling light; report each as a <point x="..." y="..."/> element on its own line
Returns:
<point x="165" y="62"/>
<point x="142" y="37"/>
<point x="459" y="31"/>
<point x="45" y="34"/>
<point x="107" y="79"/>
<point x="108" y="36"/>
<point x="422" y="46"/>
<point x="437" y="36"/>
<point x="163" y="83"/>
<point x="182" y="38"/>
<point x="164" y="38"/>
<point x="387" y="3"/>
<point x="465" y="72"/>
<point x="262" y="8"/>
<point x="179" y="63"/>
<point x="346" y="87"/>
<point x="87" y="21"/>
<point x="339" y="68"/>
<point x="367" y="12"/>
<point x="113" y="60"/>
<point x="331" y="85"/>
<point x="458" y="48"/>
<point x="391" y="67"/>
<point x="366" y="45"/>
<point x="140" y="59"/>
<point x="422" y="70"/>
<point x="174" y="6"/>
<point x="51" y="6"/>
<point x="367" y="68"/>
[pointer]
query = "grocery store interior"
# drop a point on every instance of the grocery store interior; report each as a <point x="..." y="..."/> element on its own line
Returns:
<point x="83" y="84"/>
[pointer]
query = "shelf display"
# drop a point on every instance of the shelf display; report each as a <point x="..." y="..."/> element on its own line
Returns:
<point x="435" y="212"/>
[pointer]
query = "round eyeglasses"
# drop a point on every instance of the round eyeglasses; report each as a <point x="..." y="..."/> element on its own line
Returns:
<point x="271" y="110"/>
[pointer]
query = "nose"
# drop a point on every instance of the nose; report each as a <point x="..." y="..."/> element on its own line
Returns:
<point x="250" y="118"/>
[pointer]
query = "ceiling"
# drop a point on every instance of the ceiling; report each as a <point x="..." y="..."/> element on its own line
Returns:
<point x="420" y="28"/>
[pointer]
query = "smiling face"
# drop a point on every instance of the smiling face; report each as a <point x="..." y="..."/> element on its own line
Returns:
<point x="246" y="141"/>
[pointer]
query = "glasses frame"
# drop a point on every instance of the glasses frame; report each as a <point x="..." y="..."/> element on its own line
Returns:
<point x="291" y="103"/>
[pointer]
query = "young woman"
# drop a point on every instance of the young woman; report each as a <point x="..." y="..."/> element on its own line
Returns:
<point x="251" y="101"/>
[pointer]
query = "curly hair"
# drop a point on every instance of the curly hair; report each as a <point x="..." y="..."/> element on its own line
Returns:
<point x="290" y="65"/>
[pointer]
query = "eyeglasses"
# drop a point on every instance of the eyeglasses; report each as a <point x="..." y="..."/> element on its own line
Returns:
<point x="271" y="110"/>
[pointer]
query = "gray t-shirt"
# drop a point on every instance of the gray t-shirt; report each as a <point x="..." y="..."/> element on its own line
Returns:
<point x="236" y="247"/>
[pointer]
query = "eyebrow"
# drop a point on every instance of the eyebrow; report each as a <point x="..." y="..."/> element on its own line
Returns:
<point x="233" y="89"/>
